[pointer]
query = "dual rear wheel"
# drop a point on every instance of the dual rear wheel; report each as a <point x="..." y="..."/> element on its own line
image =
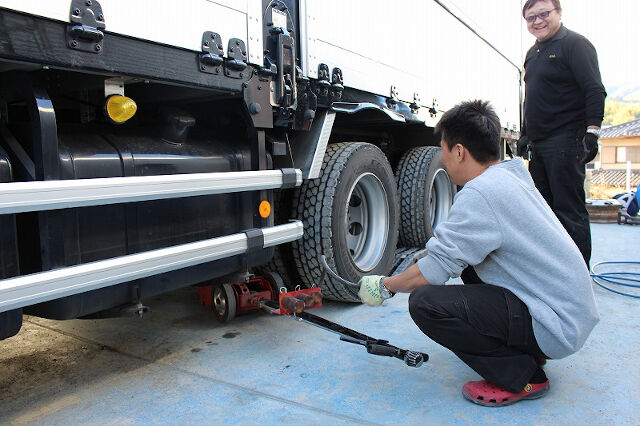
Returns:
<point x="358" y="211"/>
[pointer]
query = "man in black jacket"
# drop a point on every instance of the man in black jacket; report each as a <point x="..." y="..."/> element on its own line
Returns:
<point x="563" y="111"/>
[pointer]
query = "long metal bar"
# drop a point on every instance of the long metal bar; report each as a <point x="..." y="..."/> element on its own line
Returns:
<point x="17" y="197"/>
<point x="44" y="286"/>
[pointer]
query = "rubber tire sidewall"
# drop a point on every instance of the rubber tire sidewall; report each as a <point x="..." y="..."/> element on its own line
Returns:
<point x="231" y="302"/>
<point x="414" y="189"/>
<point x="323" y="218"/>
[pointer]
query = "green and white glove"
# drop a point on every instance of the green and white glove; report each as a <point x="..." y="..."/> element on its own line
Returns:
<point x="372" y="291"/>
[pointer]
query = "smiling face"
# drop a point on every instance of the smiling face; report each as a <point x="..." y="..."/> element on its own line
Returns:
<point x="544" y="29"/>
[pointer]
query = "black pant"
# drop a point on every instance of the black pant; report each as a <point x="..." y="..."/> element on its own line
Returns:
<point x="558" y="172"/>
<point x="486" y="326"/>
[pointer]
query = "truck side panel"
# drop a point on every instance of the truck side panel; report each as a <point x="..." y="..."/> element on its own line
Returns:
<point x="416" y="46"/>
<point x="156" y="21"/>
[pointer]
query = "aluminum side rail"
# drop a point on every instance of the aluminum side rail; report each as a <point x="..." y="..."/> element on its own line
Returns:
<point x="18" y="197"/>
<point x="44" y="286"/>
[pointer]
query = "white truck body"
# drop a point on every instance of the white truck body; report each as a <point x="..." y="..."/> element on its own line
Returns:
<point x="416" y="46"/>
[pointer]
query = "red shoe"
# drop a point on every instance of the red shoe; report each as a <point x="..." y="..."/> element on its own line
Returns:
<point x="484" y="393"/>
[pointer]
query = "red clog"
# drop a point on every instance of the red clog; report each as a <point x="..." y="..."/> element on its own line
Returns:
<point x="484" y="393"/>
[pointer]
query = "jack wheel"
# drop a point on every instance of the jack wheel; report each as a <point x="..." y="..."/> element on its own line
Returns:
<point x="276" y="282"/>
<point x="224" y="302"/>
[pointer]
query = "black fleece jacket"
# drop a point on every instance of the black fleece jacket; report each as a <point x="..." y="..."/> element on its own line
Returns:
<point x="564" y="90"/>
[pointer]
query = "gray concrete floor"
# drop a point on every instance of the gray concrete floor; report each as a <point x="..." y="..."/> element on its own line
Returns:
<point x="177" y="365"/>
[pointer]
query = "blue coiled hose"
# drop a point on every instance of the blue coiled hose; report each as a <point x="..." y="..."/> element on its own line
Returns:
<point x="617" y="278"/>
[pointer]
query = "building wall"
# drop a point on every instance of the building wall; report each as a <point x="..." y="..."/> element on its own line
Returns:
<point x="615" y="152"/>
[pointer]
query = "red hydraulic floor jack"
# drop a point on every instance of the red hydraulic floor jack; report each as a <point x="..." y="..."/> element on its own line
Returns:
<point x="259" y="293"/>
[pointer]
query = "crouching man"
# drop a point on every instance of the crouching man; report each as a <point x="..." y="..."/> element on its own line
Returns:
<point x="531" y="297"/>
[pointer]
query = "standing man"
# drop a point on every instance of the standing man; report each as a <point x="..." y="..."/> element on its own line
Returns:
<point x="533" y="297"/>
<point x="563" y="111"/>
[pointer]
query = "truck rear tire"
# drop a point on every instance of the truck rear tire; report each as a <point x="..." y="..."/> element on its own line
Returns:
<point x="350" y="214"/>
<point x="426" y="194"/>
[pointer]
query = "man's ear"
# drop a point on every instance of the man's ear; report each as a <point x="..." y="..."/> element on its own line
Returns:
<point x="459" y="152"/>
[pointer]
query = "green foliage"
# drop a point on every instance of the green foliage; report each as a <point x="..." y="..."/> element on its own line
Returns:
<point x="617" y="112"/>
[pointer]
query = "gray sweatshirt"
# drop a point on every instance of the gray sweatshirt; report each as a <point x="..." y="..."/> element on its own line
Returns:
<point x="500" y="224"/>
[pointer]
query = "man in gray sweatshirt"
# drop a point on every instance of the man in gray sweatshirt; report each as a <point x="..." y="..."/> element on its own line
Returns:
<point x="533" y="298"/>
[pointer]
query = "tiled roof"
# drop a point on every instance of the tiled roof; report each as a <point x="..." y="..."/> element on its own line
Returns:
<point x="615" y="177"/>
<point x="630" y="128"/>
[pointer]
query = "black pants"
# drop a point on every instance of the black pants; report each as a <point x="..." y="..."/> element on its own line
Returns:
<point x="558" y="172"/>
<point x="486" y="326"/>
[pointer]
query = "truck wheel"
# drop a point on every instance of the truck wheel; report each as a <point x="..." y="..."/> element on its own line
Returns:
<point x="400" y="259"/>
<point x="350" y="214"/>
<point x="224" y="302"/>
<point x="426" y="194"/>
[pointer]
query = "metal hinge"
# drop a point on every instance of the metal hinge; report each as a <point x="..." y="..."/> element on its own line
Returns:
<point x="393" y="97"/>
<point x="336" y="84"/>
<point x="323" y="85"/>
<point x="433" y="111"/>
<point x="236" y="61"/>
<point x="85" y="32"/>
<point x="210" y="59"/>
<point x="415" y="105"/>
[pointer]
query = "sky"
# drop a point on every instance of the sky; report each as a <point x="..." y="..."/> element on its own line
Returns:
<point x="613" y="26"/>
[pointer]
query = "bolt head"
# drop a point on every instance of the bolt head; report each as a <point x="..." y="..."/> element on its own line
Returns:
<point x="74" y="43"/>
<point x="88" y="3"/>
<point x="255" y="108"/>
<point x="98" y="47"/>
<point x="76" y="11"/>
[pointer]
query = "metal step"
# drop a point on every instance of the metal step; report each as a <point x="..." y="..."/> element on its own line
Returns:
<point x="18" y="197"/>
<point x="44" y="286"/>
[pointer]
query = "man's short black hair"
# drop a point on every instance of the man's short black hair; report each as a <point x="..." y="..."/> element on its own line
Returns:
<point x="476" y="126"/>
<point x="530" y="3"/>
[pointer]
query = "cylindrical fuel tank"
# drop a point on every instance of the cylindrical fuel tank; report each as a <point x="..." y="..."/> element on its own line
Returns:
<point x="101" y="232"/>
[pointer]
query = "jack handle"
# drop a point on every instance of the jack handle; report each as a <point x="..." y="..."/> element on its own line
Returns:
<point x="383" y="348"/>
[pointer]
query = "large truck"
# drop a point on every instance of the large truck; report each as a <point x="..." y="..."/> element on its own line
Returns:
<point x="147" y="146"/>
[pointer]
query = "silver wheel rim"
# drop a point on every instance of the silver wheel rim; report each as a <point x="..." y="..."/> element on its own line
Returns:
<point x="367" y="221"/>
<point x="220" y="300"/>
<point x="440" y="198"/>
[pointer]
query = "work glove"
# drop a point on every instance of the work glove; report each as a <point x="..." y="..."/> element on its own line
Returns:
<point x="523" y="148"/>
<point x="371" y="290"/>
<point x="590" y="147"/>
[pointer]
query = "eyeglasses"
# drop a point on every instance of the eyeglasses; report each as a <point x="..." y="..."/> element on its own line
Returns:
<point x="542" y="15"/>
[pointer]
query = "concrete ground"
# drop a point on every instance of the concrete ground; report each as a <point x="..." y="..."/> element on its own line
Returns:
<point x="177" y="365"/>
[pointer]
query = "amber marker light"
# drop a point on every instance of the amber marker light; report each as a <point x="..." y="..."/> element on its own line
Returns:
<point x="264" y="209"/>
<point x="120" y="108"/>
